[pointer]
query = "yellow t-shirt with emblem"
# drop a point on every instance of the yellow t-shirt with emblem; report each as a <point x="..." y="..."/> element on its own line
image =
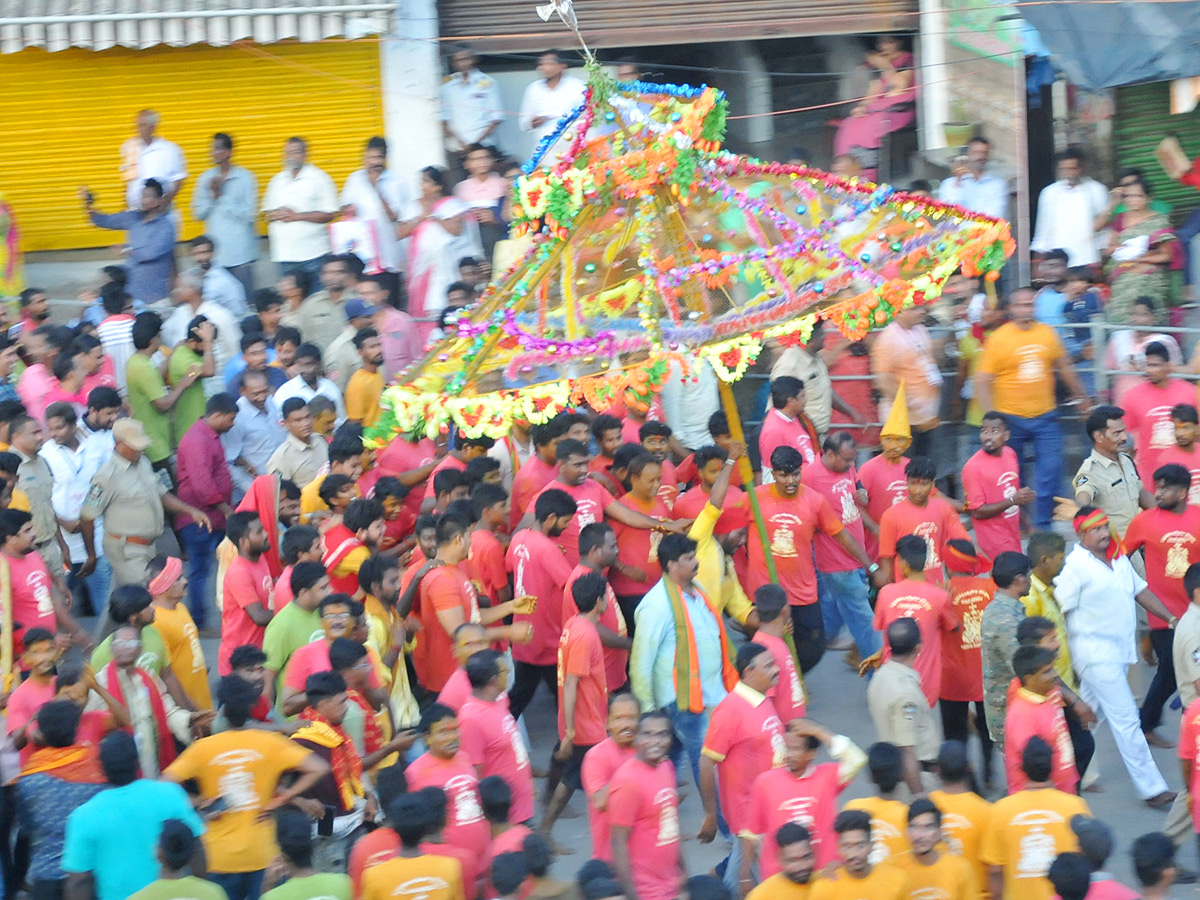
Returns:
<point x="950" y="878"/>
<point x="1026" y="832"/>
<point x="889" y="827"/>
<point x="964" y="823"/>
<point x="884" y="883"/>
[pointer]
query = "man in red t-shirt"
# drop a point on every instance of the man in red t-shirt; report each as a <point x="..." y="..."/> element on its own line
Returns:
<point x="446" y="598"/>
<point x="710" y="462"/>
<point x="793" y="515"/>
<point x="597" y="552"/>
<point x="582" y="695"/>
<point x="1035" y="709"/>
<point x="540" y="570"/>
<point x="36" y="600"/>
<point x="841" y="580"/>
<point x="971" y="590"/>
<point x="883" y="478"/>
<point x="914" y="598"/>
<point x="602" y="762"/>
<point x="801" y="793"/>
<point x="248" y="588"/>
<point x="785" y="424"/>
<point x="1148" y="410"/>
<point x="636" y="569"/>
<point x="991" y="480"/>
<point x="465" y="449"/>
<point x="770" y="602"/>
<point x="537" y="471"/>
<point x="1169" y="536"/>
<point x="656" y="441"/>
<point x="744" y="739"/>
<point x="1184" y="452"/>
<point x="489" y="733"/>
<point x="643" y="811"/>
<point x="486" y="560"/>
<point x="928" y="517"/>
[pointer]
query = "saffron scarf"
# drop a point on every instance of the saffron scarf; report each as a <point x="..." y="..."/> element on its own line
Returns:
<point x="344" y="762"/>
<point x="75" y="764"/>
<point x="166" y="740"/>
<point x="263" y="498"/>
<point x="372" y="731"/>
<point x="689" y="695"/>
<point x="1097" y="519"/>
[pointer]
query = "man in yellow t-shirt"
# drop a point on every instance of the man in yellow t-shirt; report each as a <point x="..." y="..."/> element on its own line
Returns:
<point x="889" y="816"/>
<point x="932" y="872"/>
<point x="1046" y="551"/>
<point x="1029" y="829"/>
<point x="965" y="814"/>
<point x="413" y="874"/>
<point x="795" y="856"/>
<point x="366" y="384"/>
<point x="858" y="878"/>
<point x="243" y="767"/>
<point x="185" y="656"/>
<point x="1015" y="376"/>
<point x="345" y="458"/>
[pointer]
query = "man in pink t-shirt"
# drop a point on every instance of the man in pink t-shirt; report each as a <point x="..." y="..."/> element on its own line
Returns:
<point x="842" y="587"/>
<point x="597" y="552"/>
<point x="929" y="606"/>
<point x="1148" y="408"/>
<point x="489" y="734"/>
<point x="770" y="602"/>
<point x="744" y="739"/>
<point x="537" y="471"/>
<point x="991" y="480"/>
<point x="1035" y="709"/>
<point x="643" y="811"/>
<point x="340" y="616"/>
<point x="785" y="424"/>
<point x="248" y="588"/>
<point x="601" y="763"/>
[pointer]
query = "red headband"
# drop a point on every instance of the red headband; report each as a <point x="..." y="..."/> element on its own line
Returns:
<point x="1095" y="519"/>
<point x="963" y="563"/>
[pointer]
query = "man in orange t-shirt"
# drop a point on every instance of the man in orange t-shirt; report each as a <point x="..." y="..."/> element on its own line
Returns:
<point x="793" y="514"/>
<point x="1015" y="376"/>
<point x="928" y="517"/>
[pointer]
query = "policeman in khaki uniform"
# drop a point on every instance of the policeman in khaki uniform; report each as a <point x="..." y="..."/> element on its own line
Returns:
<point x="900" y="711"/>
<point x="1108" y="477"/>
<point x="132" y="500"/>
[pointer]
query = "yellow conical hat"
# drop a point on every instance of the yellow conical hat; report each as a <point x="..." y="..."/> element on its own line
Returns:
<point x="897" y="420"/>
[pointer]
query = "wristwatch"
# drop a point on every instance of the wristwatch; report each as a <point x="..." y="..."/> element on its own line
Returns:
<point x="873" y="568"/>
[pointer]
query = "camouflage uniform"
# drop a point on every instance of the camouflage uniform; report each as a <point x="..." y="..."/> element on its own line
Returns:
<point x="999" y="639"/>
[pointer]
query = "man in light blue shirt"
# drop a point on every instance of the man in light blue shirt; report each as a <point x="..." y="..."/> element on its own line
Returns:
<point x="112" y="840"/>
<point x="257" y="431"/>
<point x="226" y="201"/>
<point x="149" y="247"/>
<point x="970" y="187"/>
<point x="654" y="669"/>
<point x="220" y="285"/>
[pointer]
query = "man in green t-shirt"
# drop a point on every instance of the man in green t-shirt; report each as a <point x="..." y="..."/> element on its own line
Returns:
<point x="294" y="834"/>
<point x="149" y="399"/>
<point x="296" y="624"/>
<point x="195" y="354"/>
<point x="177" y="847"/>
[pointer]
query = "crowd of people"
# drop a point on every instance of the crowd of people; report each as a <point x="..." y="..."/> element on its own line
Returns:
<point x="191" y="461"/>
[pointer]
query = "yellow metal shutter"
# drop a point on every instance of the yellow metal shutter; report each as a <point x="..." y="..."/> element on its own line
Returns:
<point x="513" y="25"/>
<point x="66" y="115"/>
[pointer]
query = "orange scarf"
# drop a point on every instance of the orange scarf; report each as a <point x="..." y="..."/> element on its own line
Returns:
<point x="75" y="763"/>
<point x="689" y="695"/>
<point x="344" y="762"/>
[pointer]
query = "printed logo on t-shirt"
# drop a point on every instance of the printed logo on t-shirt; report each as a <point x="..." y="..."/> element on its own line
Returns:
<point x="523" y="556"/>
<point x="844" y="491"/>
<point x="585" y="512"/>
<point x="1037" y="850"/>
<point x="773" y="727"/>
<point x="929" y="531"/>
<point x="420" y="888"/>
<point x="464" y="804"/>
<point x="952" y="823"/>
<point x="1009" y="482"/>
<point x="1162" y="429"/>
<point x="668" y="818"/>
<point x="1030" y="367"/>
<point x="236" y="784"/>
<point x="898" y="490"/>
<point x="1177" y="553"/>
<point x="783" y="541"/>
<point x="881" y="833"/>
<point x="39" y="585"/>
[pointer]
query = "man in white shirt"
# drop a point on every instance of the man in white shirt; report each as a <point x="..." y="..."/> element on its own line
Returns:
<point x="299" y="204"/>
<point x="159" y="159"/>
<point x="688" y="402"/>
<point x="1067" y="211"/>
<point x="374" y="194"/>
<point x="550" y="98"/>
<point x="310" y="382"/>
<point x="1097" y="597"/>
<point x="471" y="103"/>
<point x="971" y="187"/>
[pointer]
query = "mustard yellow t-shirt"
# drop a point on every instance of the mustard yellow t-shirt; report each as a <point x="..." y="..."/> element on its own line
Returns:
<point x="1021" y="362"/>
<point x="362" y="397"/>
<point x="950" y="878"/>
<point x="713" y="571"/>
<point x="244" y="767"/>
<point x="780" y="887"/>
<point x="425" y="877"/>
<point x="884" y="883"/>
<point x="185" y="656"/>
<point x="1026" y="832"/>
<point x="964" y="823"/>
<point x="889" y="827"/>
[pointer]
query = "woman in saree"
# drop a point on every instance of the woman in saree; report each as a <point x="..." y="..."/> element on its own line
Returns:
<point x="1141" y="251"/>
<point x="440" y="233"/>
<point x="890" y="105"/>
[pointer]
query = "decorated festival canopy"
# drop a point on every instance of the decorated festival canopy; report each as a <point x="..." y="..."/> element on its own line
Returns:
<point x="649" y="245"/>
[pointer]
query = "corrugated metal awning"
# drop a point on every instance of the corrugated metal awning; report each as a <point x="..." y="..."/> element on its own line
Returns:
<point x="138" y="24"/>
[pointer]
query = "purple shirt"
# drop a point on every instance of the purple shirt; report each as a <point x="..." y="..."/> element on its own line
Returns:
<point x="204" y="480"/>
<point x="401" y="342"/>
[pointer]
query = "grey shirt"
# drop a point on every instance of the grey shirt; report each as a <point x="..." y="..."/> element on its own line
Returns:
<point x="229" y="219"/>
<point x="151" y="245"/>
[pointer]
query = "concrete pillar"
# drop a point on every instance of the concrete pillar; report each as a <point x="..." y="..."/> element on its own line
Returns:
<point x="410" y="68"/>
<point x="748" y="95"/>
<point x="935" y="97"/>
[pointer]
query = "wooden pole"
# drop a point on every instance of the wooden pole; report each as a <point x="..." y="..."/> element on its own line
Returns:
<point x="747" y="473"/>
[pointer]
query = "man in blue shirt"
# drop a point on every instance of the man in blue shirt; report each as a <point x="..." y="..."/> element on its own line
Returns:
<point x="149" y="241"/>
<point x="111" y="840"/>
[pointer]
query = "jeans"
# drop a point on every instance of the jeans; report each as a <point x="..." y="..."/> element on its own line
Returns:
<point x="808" y="631"/>
<point x="98" y="584"/>
<point x="239" y="885"/>
<point x="955" y="717"/>
<point x="1046" y="436"/>
<point x="1163" y="685"/>
<point x="1189" y="230"/>
<point x="845" y="600"/>
<point x="201" y="549"/>
<point x="690" y="729"/>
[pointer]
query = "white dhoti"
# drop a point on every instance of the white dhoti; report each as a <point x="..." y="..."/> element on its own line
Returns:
<point x="1105" y="688"/>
